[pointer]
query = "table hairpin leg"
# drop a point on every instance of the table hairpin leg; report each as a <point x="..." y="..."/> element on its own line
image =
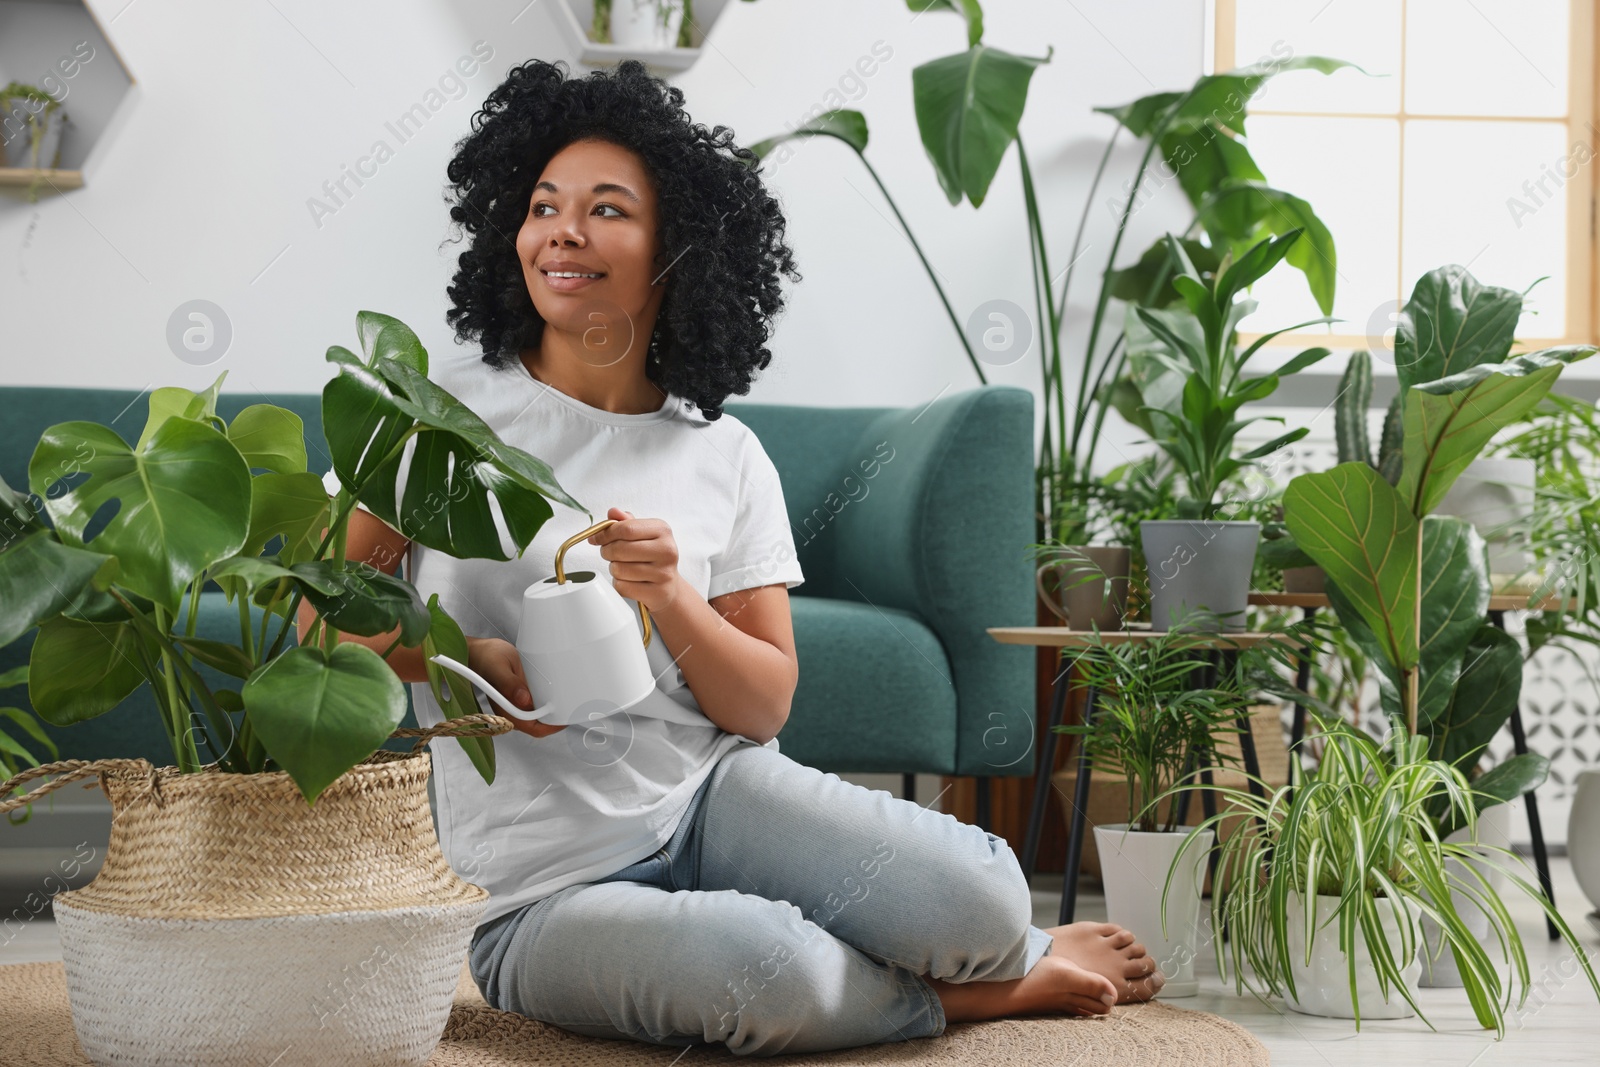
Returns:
<point x="1519" y="744"/>
<point x="1042" y="786"/>
<point x="1080" y="804"/>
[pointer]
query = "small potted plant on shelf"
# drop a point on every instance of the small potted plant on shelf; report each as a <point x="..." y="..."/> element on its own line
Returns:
<point x="1154" y="724"/>
<point x="1327" y="881"/>
<point x="33" y="122"/>
<point x="1186" y="383"/>
<point x="252" y="883"/>
<point x="650" y="25"/>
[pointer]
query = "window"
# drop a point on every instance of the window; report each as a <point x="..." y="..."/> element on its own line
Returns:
<point x="1470" y="139"/>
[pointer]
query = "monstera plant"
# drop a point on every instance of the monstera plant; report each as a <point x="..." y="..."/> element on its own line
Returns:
<point x="1410" y="587"/>
<point x="198" y="499"/>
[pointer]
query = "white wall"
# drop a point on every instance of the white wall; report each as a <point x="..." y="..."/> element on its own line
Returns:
<point x="241" y="112"/>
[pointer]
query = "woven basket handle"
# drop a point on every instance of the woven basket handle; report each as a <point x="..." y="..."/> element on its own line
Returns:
<point x="71" y="770"/>
<point x="476" y="725"/>
<point x="67" y="772"/>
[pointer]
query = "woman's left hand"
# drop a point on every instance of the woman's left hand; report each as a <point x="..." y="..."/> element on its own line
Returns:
<point x="644" y="558"/>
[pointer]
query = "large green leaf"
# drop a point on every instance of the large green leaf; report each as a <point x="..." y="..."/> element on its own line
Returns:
<point x="1511" y="778"/>
<point x="360" y="599"/>
<point x="454" y="693"/>
<point x="319" y="714"/>
<point x="1449" y="421"/>
<point x="291" y="506"/>
<point x="846" y="125"/>
<point x="271" y="437"/>
<point x="1360" y="532"/>
<point x="1215" y="98"/>
<point x="183" y="499"/>
<point x="1452" y="322"/>
<point x="39" y="576"/>
<point x="1243" y="209"/>
<point x="78" y="670"/>
<point x="1149" y="281"/>
<point x="174" y="401"/>
<point x="458" y="461"/>
<point x="386" y="337"/>
<point x="1489" y="688"/>
<point x="968" y="106"/>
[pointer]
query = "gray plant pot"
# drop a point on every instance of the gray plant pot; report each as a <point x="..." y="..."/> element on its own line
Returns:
<point x="1087" y="586"/>
<point x="1199" y="563"/>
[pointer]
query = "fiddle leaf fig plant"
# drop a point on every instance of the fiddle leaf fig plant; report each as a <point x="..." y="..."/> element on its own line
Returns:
<point x="197" y="499"/>
<point x="1412" y="588"/>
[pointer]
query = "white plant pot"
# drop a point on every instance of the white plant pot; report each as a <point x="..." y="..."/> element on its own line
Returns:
<point x="1323" y="987"/>
<point x="1494" y="828"/>
<point x="1491" y="494"/>
<point x="639" y="23"/>
<point x="1583" y="834"/>
<point x="1134" y="865"/>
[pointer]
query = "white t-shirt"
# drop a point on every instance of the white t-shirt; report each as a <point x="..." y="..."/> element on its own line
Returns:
<point x="591" y="799"/>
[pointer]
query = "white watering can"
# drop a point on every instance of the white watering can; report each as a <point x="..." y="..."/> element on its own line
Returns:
<point x="580" y="652"/>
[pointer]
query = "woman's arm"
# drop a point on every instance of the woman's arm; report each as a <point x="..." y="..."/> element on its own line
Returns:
<point x="742" y="675"/>
<point x="737" y="654"/>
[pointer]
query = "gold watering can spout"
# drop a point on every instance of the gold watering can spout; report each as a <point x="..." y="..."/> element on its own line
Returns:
<point x="584" y="535"/>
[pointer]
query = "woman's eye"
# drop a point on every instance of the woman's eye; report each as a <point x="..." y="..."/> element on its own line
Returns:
<point x="612" y="207"/>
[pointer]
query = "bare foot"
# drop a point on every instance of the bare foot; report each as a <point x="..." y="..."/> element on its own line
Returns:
<point x="1056" y="985"/>
<point x="1111" y="951"/>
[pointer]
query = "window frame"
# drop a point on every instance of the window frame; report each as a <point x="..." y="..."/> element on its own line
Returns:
<point x="1583" y="101"/>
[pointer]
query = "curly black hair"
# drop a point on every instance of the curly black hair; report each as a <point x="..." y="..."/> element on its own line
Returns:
<point x="721" y="296"/>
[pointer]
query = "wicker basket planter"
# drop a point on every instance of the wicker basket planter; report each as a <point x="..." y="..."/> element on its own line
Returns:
<point x="233" y="924"/>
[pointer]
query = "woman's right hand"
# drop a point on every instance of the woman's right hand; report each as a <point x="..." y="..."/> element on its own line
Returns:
<point x="499" y="662"/>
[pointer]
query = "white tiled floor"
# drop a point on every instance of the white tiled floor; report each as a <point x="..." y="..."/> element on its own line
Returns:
<point x="1559" y="1025"/>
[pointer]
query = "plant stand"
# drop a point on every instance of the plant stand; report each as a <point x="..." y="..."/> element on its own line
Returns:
<point x="1062" y="638"/>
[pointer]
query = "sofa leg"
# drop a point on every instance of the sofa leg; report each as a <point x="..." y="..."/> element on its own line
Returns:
<point x="983" y="802"/>
<point x="908" y="787"/>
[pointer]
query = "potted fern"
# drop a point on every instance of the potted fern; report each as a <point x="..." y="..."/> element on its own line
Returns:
<point x="238" y="893"/>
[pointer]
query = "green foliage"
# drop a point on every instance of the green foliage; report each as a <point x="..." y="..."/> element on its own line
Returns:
<point x="1190" y="376"/>
<point x="198" y="498"/>
<point x="1152" y="722"/>
<point x="14" y="753"/>
<point x="1364" y="827"/>
<point x="1350" y="410"/>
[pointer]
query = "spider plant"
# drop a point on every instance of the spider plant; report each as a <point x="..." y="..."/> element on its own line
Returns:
<point x="1361" y="828"/>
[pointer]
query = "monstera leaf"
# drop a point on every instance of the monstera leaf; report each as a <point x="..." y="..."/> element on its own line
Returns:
<point x="320" y="713"/>
<point x="182" y="499"/>
<point x="39" y="576"/>
<point x="454" y="693"/>
<point x="370" y="413"/>
<point x="81" y="670"/>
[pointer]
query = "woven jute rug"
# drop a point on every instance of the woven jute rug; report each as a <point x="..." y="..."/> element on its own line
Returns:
<point x="37" y="1027"/>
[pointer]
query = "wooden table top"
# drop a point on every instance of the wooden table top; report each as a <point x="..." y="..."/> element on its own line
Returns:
<point x="1499" y="602"/>
<point x="1061" y="637"/>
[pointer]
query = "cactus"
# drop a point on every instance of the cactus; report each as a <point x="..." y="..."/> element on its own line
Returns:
<point x="1391" y="447"/>
<point x="1350" y="410"/>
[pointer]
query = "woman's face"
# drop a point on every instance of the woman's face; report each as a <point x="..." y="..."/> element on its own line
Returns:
<point x="594" y="211"/>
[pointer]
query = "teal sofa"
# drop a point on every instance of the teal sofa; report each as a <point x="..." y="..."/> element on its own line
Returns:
<point x="912" y="527"/>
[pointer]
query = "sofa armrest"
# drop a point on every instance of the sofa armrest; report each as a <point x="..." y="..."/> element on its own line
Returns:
<point x="943" y="531"/>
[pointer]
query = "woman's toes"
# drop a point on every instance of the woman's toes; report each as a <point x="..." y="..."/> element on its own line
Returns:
<point x="1135" y="950"/>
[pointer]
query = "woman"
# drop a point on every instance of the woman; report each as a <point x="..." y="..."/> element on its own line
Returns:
<point x="665" y="874"/>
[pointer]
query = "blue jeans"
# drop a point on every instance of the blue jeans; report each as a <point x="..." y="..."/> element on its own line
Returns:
<point x="791" y="911"/>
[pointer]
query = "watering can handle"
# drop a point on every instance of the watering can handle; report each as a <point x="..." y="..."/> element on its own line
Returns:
<point x="561" y="574"/>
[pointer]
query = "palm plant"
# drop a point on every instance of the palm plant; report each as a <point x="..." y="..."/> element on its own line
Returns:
<point x="1362" y="828"/>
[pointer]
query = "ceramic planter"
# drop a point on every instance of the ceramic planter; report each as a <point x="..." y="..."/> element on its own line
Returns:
<point x="1134" y="866"/>
<point x="1494" y="828"/>
<point x="1323" y="987"/>
<point x="1583" y="834"/>
<point x="1199" y="563"/>
<point x="1087" y="586"/>
<point x="649" y="25"/>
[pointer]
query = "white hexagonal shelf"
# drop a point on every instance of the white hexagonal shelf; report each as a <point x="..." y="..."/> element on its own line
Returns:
<point x="637" y="38"/>
<point x="56" y="48"/>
